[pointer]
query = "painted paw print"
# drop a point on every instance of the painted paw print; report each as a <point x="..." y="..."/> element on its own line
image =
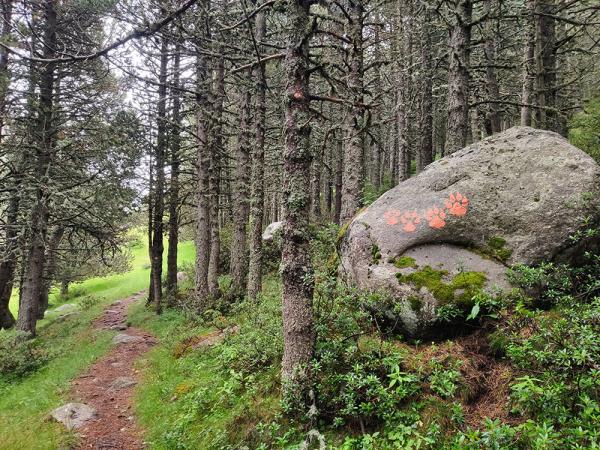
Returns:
<point x="392" y="216"/>
<point x="410" y="220"/>
<point x="457" y="204"/>
<point x="435" y="216"/>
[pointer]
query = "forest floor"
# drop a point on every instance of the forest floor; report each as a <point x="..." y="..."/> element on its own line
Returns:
<point x="108" y="385"/>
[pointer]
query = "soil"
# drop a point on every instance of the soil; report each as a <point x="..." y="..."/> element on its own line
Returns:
<point x="115" y="426"/>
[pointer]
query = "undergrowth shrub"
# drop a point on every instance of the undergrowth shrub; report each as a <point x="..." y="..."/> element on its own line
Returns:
<point x="90" y="301"/>
<point x="259" y="342"/>
<point x="19" y="355"/>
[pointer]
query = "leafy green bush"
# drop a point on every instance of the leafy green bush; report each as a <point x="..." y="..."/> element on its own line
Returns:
<point x="19" y="355"/>
<point x="259" y="343"/>
<point x="89" y="301"/>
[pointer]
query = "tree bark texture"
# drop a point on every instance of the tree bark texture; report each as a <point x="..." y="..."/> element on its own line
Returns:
<point x="296" y="269"/>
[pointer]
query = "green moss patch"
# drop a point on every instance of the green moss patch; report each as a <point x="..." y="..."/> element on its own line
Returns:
<point x="496" y="242"/>
<point x="342" y="233"/>
<point x="403" y="262"/>
<point x="496" y="248"/>
<point x="469" y="283"/>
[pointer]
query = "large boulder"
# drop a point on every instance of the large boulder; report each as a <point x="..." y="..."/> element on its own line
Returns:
<point x="271" y="230"/>
<point x="437" y="238"/>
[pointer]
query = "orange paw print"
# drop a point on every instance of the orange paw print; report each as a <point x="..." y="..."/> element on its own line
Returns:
<point x="409" y="221"/>
<point x="435" y="217"/>
<point x="392" y="216"/>
<point x="457" y="205"/>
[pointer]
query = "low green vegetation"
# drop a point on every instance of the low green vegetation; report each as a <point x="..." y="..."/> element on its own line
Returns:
<point x="531" y="382"/>
<point x="584" y="129"/>
<point x="372" y="389"/>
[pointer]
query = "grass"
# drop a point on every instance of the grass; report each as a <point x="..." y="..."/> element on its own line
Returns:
<point x="187" y="400"/>
<point x="73" y="346"/>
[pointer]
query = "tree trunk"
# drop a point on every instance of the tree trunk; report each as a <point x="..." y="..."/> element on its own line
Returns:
<point x="8" y="263"/>
<point x="403" y="86"/>
<point x="545" y="65"/>
<point x="376" y="128"/>
<point x="493" y="89"/>
<point x="528" y="63"/>
<point x="174" y="188"/>
<point x="315" y="182"/>
<point x="352" y="184"/>
<point x="329" y="176"/>
<point x="296" y="269"/>
<point x="64" y="288"/>
<point x="44" y="140"/>
<point x="239" y="259"/>
<point x="5" y="36"/>
<point x="150" y="227"/>
<point x="458" y="77"/>
<point x="258" y="156"/>
<point x="546" y="116"/>
<point x="159" y="188"/>
<point x="339" y="170"/>
<point x="425" y="153"/>
<point x="9" y="258"/>
<point x="214" y="178"/>
<point x="51" y="262"/>
<point x="202" y="165"/>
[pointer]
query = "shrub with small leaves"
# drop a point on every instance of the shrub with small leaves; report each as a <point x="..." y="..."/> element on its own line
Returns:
<point x="19" y="355"/>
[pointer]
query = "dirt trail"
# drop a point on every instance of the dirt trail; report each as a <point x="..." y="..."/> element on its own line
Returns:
<point x="109" y="383"/>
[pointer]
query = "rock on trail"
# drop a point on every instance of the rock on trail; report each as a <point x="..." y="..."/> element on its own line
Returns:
<point x="74" y="415"/>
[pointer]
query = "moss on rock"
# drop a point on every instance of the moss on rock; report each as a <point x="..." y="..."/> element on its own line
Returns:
<point x="403" y="262"/>
<point x="495" y="247"/>
<point x="469" y="283"/>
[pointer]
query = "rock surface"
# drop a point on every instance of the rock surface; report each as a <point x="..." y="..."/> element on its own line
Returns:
<point x="67" y="307"/>
<point x="182" y="276"/>
<point x="74" y="415"/>
<point x="515" y="197"/>
<point x="122" y="383"/>
<point x="271" y="230"/>
<point x="123" y="338"/>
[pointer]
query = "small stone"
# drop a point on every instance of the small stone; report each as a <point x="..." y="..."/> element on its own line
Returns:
<point x="123" y="338"/>
<point x="182" y="276"/>
<point x="122" y="383"/>
<point x="65" y="307"/>
<point x="74" y="415"/>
